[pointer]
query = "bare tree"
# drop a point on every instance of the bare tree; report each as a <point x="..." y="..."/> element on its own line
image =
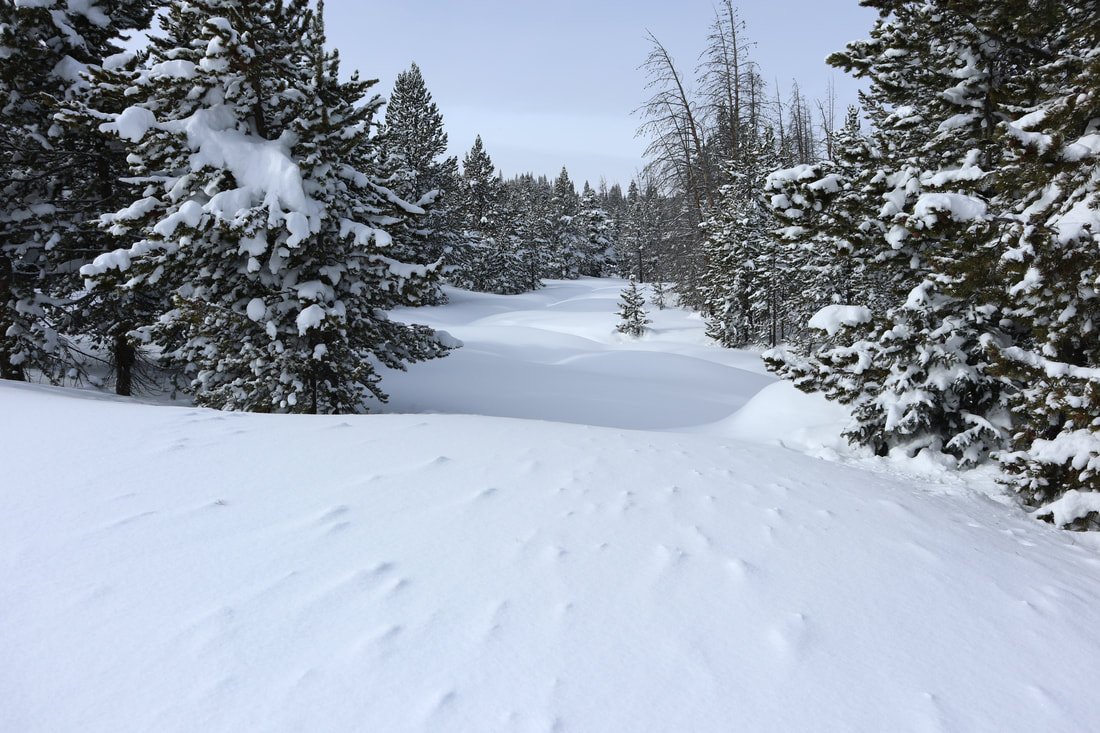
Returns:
<point x="724" y="72"/>
<point x="827" y="109"/>
<point x="672" y="122"/>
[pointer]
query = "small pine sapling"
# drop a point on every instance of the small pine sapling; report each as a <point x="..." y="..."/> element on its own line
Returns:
<point x="660" y="295"/>
<point x="632" y="311"/>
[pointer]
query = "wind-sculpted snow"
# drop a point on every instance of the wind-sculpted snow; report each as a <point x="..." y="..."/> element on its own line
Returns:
<point x="555" y="355"/>
<point x="176" y="569"/>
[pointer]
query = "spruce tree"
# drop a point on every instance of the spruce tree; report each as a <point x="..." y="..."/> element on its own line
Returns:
<point x="413" y="133"/>
<point x="263" y="211"/>
<point x="565" y="249"/>
<point x="597" y="235"/>
<point x="638" y="252"/>
<point x="660" y="294"/>
<point x="746" y="280"/>
<point x="632" y="311"/>
<point x="54" y="177"/>
<point x="1049" y="258"/>
<point x="480" y="212"/>
<point x="917" y="373"/>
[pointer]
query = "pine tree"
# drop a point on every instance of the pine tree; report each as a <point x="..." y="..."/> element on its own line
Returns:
<point x="746" y="279"/>
<point x="532" y="217"/>
<point x="660" y="294"/>
<point x="1050" y="259"/>
<point x="917" y="210"/>
<point x="632" y="311"/>
<point x="597" y="235"/>
<point x="480" y="212"/>
<point x="639" y="251"/>
<point x="264" y="212"/>
<point x="565" y="239"/>
<point x="413" y="133"/>
<point x="53" y="177"/>
<point x="502" y="267"/>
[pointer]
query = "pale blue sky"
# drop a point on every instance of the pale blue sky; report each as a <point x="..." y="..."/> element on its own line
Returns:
<point x="554" y="83"/>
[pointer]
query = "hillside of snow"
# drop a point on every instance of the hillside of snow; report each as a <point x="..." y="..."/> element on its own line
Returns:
<point x="556" y="528"/>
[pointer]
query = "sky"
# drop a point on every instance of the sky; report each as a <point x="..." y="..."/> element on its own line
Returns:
<point x="548" y="84"/>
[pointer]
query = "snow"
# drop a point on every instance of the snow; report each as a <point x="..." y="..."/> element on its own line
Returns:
<point x="264" y="171"/>
<point x="1086" y="146"/>
<point x="132" y="124"/>
<point x="1080" y="222"/>
<point x="511" y="566"/>
<point x="1073" y="505"/>
<point x="189" y="214"/>
<point x="310" y="317"/>
<point x="957" y="206"/>
<point x="1019" y="130"/>
<point x="832" y="318"/>
<point x="256" y="309"/>
<point x="264" y="167"/>
<point x="91" y="11"/>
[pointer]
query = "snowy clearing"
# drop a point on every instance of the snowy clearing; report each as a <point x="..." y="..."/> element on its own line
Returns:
<point x="599" y="534"/>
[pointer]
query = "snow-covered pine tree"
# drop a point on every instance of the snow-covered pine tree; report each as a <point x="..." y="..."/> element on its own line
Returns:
<point x="1050" y="258"/>
<point x="639" y="251"/>
<point x="597" y="231"/>
<point x="629" y="249"/>
<point x="825" y="209"/>
<point x="263" y="212"/>
<point x="566" y="238"/>
<point x="660" y="294"/>
<point x="939" y="87"/>
<point x="53" y="177"/>
<point x="480" y="208"/>
<point x="747" y="285"/>
<point x="530" y="216"/>
<point x="632" y="311"/>
<point x="413" y="133"/>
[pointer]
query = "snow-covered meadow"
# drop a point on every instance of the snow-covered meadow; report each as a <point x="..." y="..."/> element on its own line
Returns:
<point x="556" y="528"/>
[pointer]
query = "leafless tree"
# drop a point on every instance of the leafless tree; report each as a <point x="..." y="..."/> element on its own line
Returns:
<point x="671" y="120"/>
<point x="725" y="72"/>
<point x="827" y="109"/>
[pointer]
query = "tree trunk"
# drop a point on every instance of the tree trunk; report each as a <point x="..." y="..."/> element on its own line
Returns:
<point x="7" y="369"/>
<point x="125" y="356"/>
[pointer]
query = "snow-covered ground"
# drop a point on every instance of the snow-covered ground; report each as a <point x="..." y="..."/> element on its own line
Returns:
<point x="576" y="532"/>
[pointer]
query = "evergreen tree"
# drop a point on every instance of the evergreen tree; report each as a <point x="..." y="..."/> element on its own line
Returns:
<point x="502" y="267"/>
<point x="639" y="249"/>
<point x="632" y="311"/>
<point x="263" y="211"/>
<point x="939" y="86"/>
<point x="480" y="209"/>
<point x="54" y="178"/>
<point x="597" y="235"/>
<point x="660" y="294"/>
<point x="746" y="280"/>
<point x="566" y="257"/>
<point x="532" y="217"/>
<point x="1049" y="256"/>
<point x="413" y="132"/>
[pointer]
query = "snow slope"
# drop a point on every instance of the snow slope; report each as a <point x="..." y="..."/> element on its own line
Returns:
<point x="555" y="355"/>
<point x="176" y="569"/>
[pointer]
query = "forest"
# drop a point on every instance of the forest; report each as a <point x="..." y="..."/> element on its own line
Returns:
<point x="228" y="213"/>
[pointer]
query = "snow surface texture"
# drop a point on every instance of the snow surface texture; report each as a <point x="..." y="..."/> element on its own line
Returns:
<point x="188" y="570"/>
